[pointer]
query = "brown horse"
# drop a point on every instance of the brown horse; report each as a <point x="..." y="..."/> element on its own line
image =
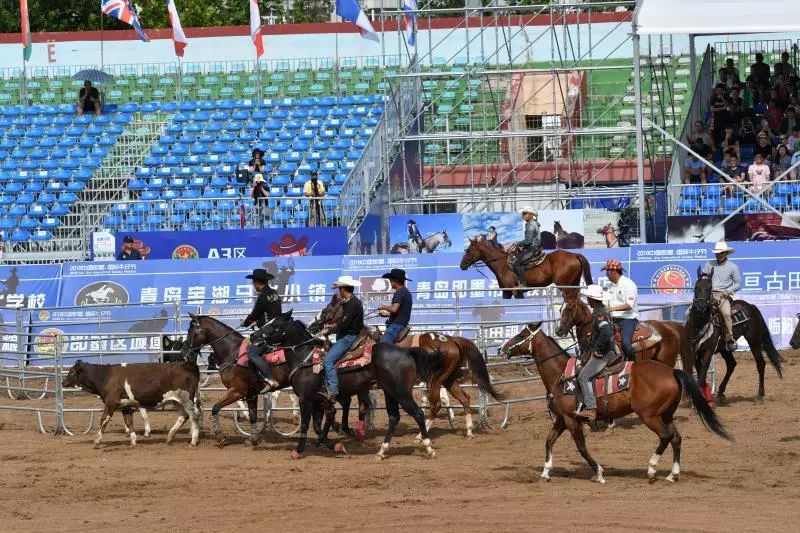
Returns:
<point x="560" y="267"/>
<point x="456" y="353"/>
<point x="674" y="340"/>
<point x="565" y="239"/>
<point x="653" y="394"/>
<point x="610" y="235"/>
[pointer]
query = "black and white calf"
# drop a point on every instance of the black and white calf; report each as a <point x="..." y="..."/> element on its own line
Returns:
<point x="141" y="386"/>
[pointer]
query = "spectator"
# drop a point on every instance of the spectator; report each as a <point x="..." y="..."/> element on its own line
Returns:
<point x="731" y="140"/>
<point x="793" y="139"/>
<point x="782" y="163"/>
<point x="734" y="171"/>
<point x="259" y="188"/>
<point x="695" y="170"/>
<point x="758" y="174"/>
<point x="789" y="122"/>
<point x="747" y="133"/>
<point x="129" y="253"/>
<point x="718" y="105"/>
<point x="784" y="68"/>
<point x="759" y="71"/>
<point x="774" y="115"/>
<point x="315" y="189"/>
<point x="700" y="133"/>
<point x="88" y="99"/>
<point x="257" y="163"/>
<point x="763" y="147"/>
<point x="731" y="72"/>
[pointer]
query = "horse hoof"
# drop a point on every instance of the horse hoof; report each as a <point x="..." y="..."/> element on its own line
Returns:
<point x="379" y="457"/>
<point x="671" y="478"/>
<point x="431" y="454"/>
<point x="339" y="448"/>
<point x="295" y="455"/>
<point x="758" y="399"/>
<point x="221" y="442"/>
<point x="544" y="477"/>
<point x="470" y="436"/>
<point x="651" y="479"/>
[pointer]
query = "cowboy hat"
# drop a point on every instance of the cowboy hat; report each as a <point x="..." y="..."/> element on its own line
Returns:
<point x="259" y="274"/>
<point x="257" y="150"/>
<point x="722" y="247"/>
<point x="288" y="245"/>
<point x="529" y="209"/>
<point x="595" y="292"/>
<point x="259" y="178"/>
<point x="397" y="274"/>
<point x="127" y="238"/>
<point x="346" y="281"/>
<point x="613" y="264"/>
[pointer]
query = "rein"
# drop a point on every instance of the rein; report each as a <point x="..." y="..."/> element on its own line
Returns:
<point x="530" y="337"/>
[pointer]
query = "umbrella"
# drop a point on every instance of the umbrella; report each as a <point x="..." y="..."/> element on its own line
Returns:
<point x="94" y="76"/>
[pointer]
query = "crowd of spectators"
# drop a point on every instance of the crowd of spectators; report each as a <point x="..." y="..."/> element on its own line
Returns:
<point x="752" y="130"/>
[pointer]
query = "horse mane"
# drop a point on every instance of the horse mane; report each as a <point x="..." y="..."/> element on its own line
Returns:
<point x="220" y="322"/>
<point x="484" y="243"/>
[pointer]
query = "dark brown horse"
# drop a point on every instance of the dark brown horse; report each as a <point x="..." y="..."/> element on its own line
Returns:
<point x="457" y="354"/>
<point x="653" y="394"/>
<point x="794" y="342"/>
<point x="565" y="239"/>
<point x="674" y="340"/>
<point x="560" y="267"/>
<point x="707" y="337"/>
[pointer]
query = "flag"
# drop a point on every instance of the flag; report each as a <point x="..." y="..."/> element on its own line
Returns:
<point x="178" y="37"/>
<point x="410" y="21"/>
<point x="255" y="28"/>
<point x="25" y="27"/>
<point x="351" y="11"/>
<point x="123" y="10"/>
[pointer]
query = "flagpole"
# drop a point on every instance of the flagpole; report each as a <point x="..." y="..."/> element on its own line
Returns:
<point x="102" y="16"/>
<point x="336" y="58"/>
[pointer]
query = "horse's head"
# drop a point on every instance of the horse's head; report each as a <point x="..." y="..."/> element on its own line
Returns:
<point x="521" y="343"/>
<point x="277" y="330"/>
<point x="605" y="229"/>
<point x="446" y="240"/>
<point x="557" y="226"/>
<point x="197" y="337"/>
<point x="702" y="292"/>
<point x="573" y="314"/>
<point x="472" y="255"/>
<point x="795" y="341"/>
<point x="331" y="313"/>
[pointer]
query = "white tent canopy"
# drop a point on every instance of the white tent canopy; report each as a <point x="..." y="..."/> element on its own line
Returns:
<point x="714" y="17"/>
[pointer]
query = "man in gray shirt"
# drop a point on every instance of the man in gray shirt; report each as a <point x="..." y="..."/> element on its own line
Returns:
<point x="725" y="280"/>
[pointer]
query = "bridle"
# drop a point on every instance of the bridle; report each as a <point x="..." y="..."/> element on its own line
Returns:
<point x="195" y="349"/>
<point x="531" y="335"/>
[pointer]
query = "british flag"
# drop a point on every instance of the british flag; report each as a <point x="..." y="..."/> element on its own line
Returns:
<point x="123" y="10"/>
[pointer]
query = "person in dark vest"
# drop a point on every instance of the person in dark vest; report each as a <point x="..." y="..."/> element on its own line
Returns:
<point x="129" y="253"/>
<point x="601" y="351"/>
<point x="347" y="331"/>
<point x="266" y="307"/>
<point x="399" y="311"/>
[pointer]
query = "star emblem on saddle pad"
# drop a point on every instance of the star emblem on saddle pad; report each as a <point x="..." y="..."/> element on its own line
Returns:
<point x="623" y="380"/>
<point x="571" y="385"/>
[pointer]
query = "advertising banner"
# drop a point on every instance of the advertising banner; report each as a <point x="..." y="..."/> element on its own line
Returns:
<point x="740" y="227"/>
<point x="29" y="286"/>
<point x="236" y="244"/>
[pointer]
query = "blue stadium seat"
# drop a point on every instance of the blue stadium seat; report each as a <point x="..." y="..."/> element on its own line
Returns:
<point x="20" y="235"/>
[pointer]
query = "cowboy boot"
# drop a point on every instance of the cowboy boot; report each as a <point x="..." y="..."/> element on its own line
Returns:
<point x="587" y="414"/>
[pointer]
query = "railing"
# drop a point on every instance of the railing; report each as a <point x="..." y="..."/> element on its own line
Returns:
<point x="725" y="198"/>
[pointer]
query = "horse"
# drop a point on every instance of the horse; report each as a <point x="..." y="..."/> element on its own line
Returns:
<point x="560" y="267"/>
<point x="566" y="240"/>
<point x="393" y="368"/>
<point x="428" y="244"/>
<point x="794" y="342"/>
<point x="240" y="382"/>
<point x="653" y="394"/>
<point x="707" y="337"/>
<point x="674" y="339"/>
<point x="610" y="235"/>
<point x="457" y="352"/>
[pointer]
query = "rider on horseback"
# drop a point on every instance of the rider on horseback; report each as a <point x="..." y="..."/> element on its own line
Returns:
<point x="725" y="280"/>
<point x="347" y="331"/>
<point x="414" y="236"/>
<point x="529" y="247"/>
<point x="622" y="305"/>
<point x="601" y="350"/>
<point x="399" y="311"/>
<point x="267" y="307"/>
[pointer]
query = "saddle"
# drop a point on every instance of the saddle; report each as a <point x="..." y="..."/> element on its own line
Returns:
<point x="739" y="314"/>
<point x="615" y="378"/>
<point x="644" y="337"/>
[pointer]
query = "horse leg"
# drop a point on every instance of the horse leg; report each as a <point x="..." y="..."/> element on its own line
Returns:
<point x="252" y="412"/>
<point x="463" y="398"/>
<point x="676" y="453"/>
<point x="761" y="364"/>
<point x="230" y="396"/>
<point x="364" y="408"/>
<point x="330" y="417"/>
<point x="410" y="406"/>
<point x="435" y="400"/>
<point x="730" y="364"/>
<point x="393" y="412"/>
<point x="663" y="429"/>
<point x="580" y="444"/>
<point x="558" y="428"/>
<point x="344" y="425"/>
<point x="306" y="406"/>
<point x="127" y="416"/>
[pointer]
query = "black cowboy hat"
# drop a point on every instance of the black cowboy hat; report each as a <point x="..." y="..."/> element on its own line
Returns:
<point x="259" y="150"/>
<point x="127" y="238"/>
<point x="411" y="221"/>
<point x="259" y="274"/>
<point x="397" y="274"/>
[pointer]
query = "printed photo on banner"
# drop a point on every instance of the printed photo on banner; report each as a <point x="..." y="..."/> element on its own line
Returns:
<point x="501" y="229"/>
<point x="747" y="227"/>
<point x="425" y="234"/>
<point x="561" y="228"/>
<point x="603" y="229"/>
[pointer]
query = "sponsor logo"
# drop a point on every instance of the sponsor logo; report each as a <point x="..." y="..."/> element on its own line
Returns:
<point x="374" y="284"/>
<point x="45" y="343"/>
<point x="671" y="279"/>
<point x="102" y="293"/>
<point x="44" y="315"/>
<point x="185" y="251"/>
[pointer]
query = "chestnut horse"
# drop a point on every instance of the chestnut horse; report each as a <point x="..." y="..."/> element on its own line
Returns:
<point x="560" y="267"/>
<point x="653" y="394"/>
<point x="456" y="353"/>
<point x="674" y="339"/>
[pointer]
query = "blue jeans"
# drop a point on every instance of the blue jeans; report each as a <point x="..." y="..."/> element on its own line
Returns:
<point x="256" y="356"/>
<point x="336" y="352"/>
<point x="590" y="370"/>
<point x="391" y="333"/>
<point x="626" y="328"/>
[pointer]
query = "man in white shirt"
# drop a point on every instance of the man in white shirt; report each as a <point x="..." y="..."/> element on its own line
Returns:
<point x="622" y="296"/>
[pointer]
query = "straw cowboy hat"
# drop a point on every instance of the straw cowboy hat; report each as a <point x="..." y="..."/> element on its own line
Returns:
<point x="595" y="292"/>
<point x="722" y="247"/>
<point x="529" y="209"/>
<point x="346" y="281"/>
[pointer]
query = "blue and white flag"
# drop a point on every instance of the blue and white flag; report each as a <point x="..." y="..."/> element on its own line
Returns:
<point x="351" y="11"/>
<point x="410" y="21"/>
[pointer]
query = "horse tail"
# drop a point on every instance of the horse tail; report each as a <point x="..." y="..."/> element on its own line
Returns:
<point x="766" y="341"/>
<point x="586" y="269"/>
<point x="428" y="363"/>
<point x="704" y="411"/>
<point x="473" y="358"/>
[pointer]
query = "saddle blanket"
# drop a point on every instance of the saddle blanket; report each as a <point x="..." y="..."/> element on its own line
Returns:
<point x="345" y="364"/>
<point x="610" y="381"/>
<point x="272" y="358"/>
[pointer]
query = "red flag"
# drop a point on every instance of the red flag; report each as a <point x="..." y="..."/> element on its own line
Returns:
<point x="25" y="29"/>
<point x="178" y="37"/>
<point x="255" y="28"/>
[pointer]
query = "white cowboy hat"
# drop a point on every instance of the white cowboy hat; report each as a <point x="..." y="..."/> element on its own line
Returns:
<point x="346" y="281"/>
<point x="722" y="247"/>
<point x="595" y="292"/>
<point x="529" y="209"/>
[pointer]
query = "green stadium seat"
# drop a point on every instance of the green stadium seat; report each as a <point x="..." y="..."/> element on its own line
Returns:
<point x="294" y="90"/>
<point x="272" y="91"/>
<point x="249" y="92"/>
<point x="227" y="92"/>
<point x="317" y="89"/>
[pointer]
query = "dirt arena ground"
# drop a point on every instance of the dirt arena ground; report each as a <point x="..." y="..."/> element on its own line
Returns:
<point x="489" y="483"/>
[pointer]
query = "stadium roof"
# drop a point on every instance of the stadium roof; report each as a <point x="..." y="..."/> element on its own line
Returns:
<point x="714" y="17"/>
